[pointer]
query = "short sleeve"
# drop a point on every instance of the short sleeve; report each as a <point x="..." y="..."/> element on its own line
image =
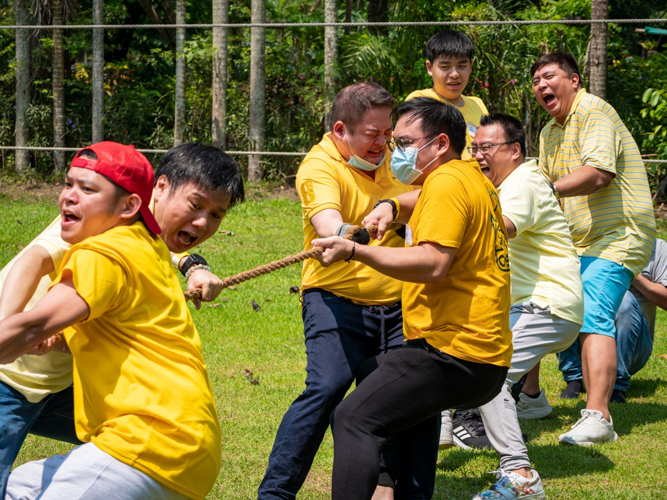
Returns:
<point x="53" y="243"/>
<point x="99" y="280"/>
<point x="517" y="202"/>
<point x="600" y="141"/>
<point x="440" y="222"/>
<point x="318" y="187"/>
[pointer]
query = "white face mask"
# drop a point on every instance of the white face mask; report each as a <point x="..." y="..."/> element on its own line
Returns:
<point x="403" y="163"/>
<point x="360" y="163"/>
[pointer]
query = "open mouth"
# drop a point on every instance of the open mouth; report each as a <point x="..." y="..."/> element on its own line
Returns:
<point x="549" y="99"/>
<point x="485" y="170"/>
<point x="68" y="216"/>
<point x="186" y="238"/>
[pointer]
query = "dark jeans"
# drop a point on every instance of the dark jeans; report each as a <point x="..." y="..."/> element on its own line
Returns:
<point x="52" y="417"/>
<point x="339" y="336"/>
<point x="634" y="345"/>
<point x="410" y="385"/>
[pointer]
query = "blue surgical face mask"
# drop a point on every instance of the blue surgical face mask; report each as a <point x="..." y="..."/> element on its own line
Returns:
<point x="403" y="164"/>
<point x="360" y="163"/>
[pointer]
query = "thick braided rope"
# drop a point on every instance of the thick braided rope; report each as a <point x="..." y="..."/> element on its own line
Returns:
<point x="287" y="261"/>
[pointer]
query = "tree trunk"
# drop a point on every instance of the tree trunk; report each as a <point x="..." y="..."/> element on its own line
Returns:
<point x="58" y="77"/>
<point x="219" y="126"/>
<point x="257" y="90"/>
<point x="348" y="15"/>
<point x="22" y="157"/>
<point x="598" y="54"/>
<point x="98" y="72"/>
<point x="330" y="57"/>
<point x="166" y="34"/>
<point x="179" y="105"/>
<point x="378" y="12"/>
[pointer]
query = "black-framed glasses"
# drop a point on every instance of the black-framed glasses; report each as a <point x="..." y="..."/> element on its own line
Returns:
<point x="486" y="148"/>
<point x="402" y="144"/>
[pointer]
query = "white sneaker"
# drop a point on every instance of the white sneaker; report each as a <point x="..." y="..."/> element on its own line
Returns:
<point x="511" y="485"/>
<point x="590" y="429"/>
<point x="529" y="408"/>
<point x="446" y="440"/>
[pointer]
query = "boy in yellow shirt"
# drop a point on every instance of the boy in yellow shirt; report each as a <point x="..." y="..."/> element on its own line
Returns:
<point x="449" y="62"/>
<point x="143" y="402"/>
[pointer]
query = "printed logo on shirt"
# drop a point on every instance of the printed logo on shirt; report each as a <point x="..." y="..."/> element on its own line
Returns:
<point x="472" y="130"/>
<point x="500" y="240"/>
<point x="307" y="192"/>
<point x="408" y="235"/>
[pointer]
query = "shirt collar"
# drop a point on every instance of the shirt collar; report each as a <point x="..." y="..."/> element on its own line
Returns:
<point x="575" y="103"/>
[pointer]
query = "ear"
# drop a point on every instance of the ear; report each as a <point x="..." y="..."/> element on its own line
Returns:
<point x="161" y="188"/>
<point x="574" y="78"/>
<point x="339" y="130"/>
<point x="443" y="144"/>
<point x="516" y="151"/>
<point x="429" y="67"/>
<point x="129" y="206"/>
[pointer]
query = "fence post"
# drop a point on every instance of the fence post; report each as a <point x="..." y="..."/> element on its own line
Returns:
<point x="257" y="91"/>
<point x="22" y="157"/>
<point x="58" y="77"/>
<point x="330" y="57"/>
<point x="219" y="125"/>
<point x="598" y="55"/>
<point x="98" y="72"/>
<point x="179" y="94"/>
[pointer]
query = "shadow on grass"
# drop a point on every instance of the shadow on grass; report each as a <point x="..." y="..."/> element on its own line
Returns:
<point x="644" y="388"/>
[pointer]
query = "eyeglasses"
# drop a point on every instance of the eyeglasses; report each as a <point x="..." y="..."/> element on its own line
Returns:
<point x="402" y="144"/>
<point x="486" y="148"/>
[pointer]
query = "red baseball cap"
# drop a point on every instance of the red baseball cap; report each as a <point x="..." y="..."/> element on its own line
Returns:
<point x="128" y="168"/>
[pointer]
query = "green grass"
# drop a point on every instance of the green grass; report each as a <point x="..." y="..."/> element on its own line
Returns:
<point x="270" y="344"/>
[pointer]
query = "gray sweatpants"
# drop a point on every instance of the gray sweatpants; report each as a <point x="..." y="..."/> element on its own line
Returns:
<point x="535" y="333"/>
<point x="85" y="473"/>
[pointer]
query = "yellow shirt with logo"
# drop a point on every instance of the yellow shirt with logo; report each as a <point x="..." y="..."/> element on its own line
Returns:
<point x="615" y="223"/>
<point x="38" y="376"/>
<point x="325" y="180"/>
<point x="467" y="315"/>
<point x="544" y="263"/>
<point x="141" y="389"/>
<point x="473" y="109"/>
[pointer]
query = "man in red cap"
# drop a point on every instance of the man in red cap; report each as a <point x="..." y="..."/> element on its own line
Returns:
<point x="194" y="186"/>
<point x="143" y="402"/>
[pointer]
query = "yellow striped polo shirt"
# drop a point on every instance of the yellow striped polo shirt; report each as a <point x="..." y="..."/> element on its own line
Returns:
<point x="616" y="223"/>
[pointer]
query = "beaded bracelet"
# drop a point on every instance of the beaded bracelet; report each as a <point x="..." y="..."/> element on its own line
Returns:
<point x="194" y="268"/>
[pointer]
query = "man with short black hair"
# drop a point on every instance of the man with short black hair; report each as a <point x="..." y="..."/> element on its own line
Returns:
<point x="456" y="298"/>
<point x="597" y="172"/>
<point x="350" y="312"/>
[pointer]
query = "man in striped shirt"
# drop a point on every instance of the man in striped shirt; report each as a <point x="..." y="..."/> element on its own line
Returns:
<point x="597" y="174"/>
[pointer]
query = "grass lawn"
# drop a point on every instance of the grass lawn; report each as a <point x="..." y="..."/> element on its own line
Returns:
<point x="269" y="343"/>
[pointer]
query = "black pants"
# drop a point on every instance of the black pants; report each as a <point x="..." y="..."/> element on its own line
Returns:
<point x="410" y="385"/>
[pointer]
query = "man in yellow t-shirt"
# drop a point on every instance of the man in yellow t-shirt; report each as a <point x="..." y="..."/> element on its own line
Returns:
<point x="350" y="312"/>
<point x="596" y="169"/>
<point x="143" y="402"/>
<point x="195" y="185"/>
<point x="456" y="297"/>
<point x="449" y="56"/>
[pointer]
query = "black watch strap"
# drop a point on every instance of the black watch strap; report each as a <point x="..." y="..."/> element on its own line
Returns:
<point x="393" y="206"/>
<point x="191" y="260"/>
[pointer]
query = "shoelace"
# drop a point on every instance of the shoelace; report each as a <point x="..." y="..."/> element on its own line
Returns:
<point x="584" y="416"/>
<point x="474" y="421"/>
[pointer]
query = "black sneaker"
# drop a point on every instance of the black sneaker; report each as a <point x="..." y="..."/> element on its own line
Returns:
<point x="573" y="390"/>
<point x="617" y="396"/>
<point x="468" y="430"/>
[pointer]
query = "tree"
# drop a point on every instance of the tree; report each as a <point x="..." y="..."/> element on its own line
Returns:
<point x="58" y="83"/>
<point x="598" y="49"/>
<point x="330" y="56"/>
<point x="98" y="72"/>
<point x="167" y="34"/>
<point x="257" y="91"/>
<point x="179" y="94"/>
<point x="220" y="16"/>
<point x="22" y="83"/>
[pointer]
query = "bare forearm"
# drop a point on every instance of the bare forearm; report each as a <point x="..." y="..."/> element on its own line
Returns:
<point x="583" y="181"/>
<point x="20" y="333"/>
<point x="655" y="292"/>
<point x="415" y="265"/>
<point x="23" y="279"/>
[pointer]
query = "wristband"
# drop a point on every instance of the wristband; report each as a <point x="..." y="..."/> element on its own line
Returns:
<point x="398" y="207"/>
<point x="393" y="204"/>
<point x="342" y="229"/>
<point x="555" y="191"/>
<point x="351" y="257"/>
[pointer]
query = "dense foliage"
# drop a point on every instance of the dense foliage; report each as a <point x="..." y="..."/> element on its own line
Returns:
<point x="139" y="71"/>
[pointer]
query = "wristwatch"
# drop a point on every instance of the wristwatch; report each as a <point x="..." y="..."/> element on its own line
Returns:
<point x="394" y="212"/>
<point x="556" y="192"/>
<point x="192" y="259"/>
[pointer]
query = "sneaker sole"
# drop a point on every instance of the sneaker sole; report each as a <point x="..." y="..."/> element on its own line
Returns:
<point x="568" y="440"/>
<point x="534" y="413"/>
<point x="445" y="446"/>
<point x="460" y="444"/>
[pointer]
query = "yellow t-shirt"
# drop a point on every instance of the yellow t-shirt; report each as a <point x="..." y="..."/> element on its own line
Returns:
<point x="544" y="263"/>
<point x="141" y="390"/>
<point x="466" y="316"/>
<point x="326" y="180"/>
<point x="473" y="109"/>
<point x="616" y="223"/>
<point x="38" y="376"/>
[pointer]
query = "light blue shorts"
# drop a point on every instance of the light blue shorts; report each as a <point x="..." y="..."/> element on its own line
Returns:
<point x="605" y="283"/>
